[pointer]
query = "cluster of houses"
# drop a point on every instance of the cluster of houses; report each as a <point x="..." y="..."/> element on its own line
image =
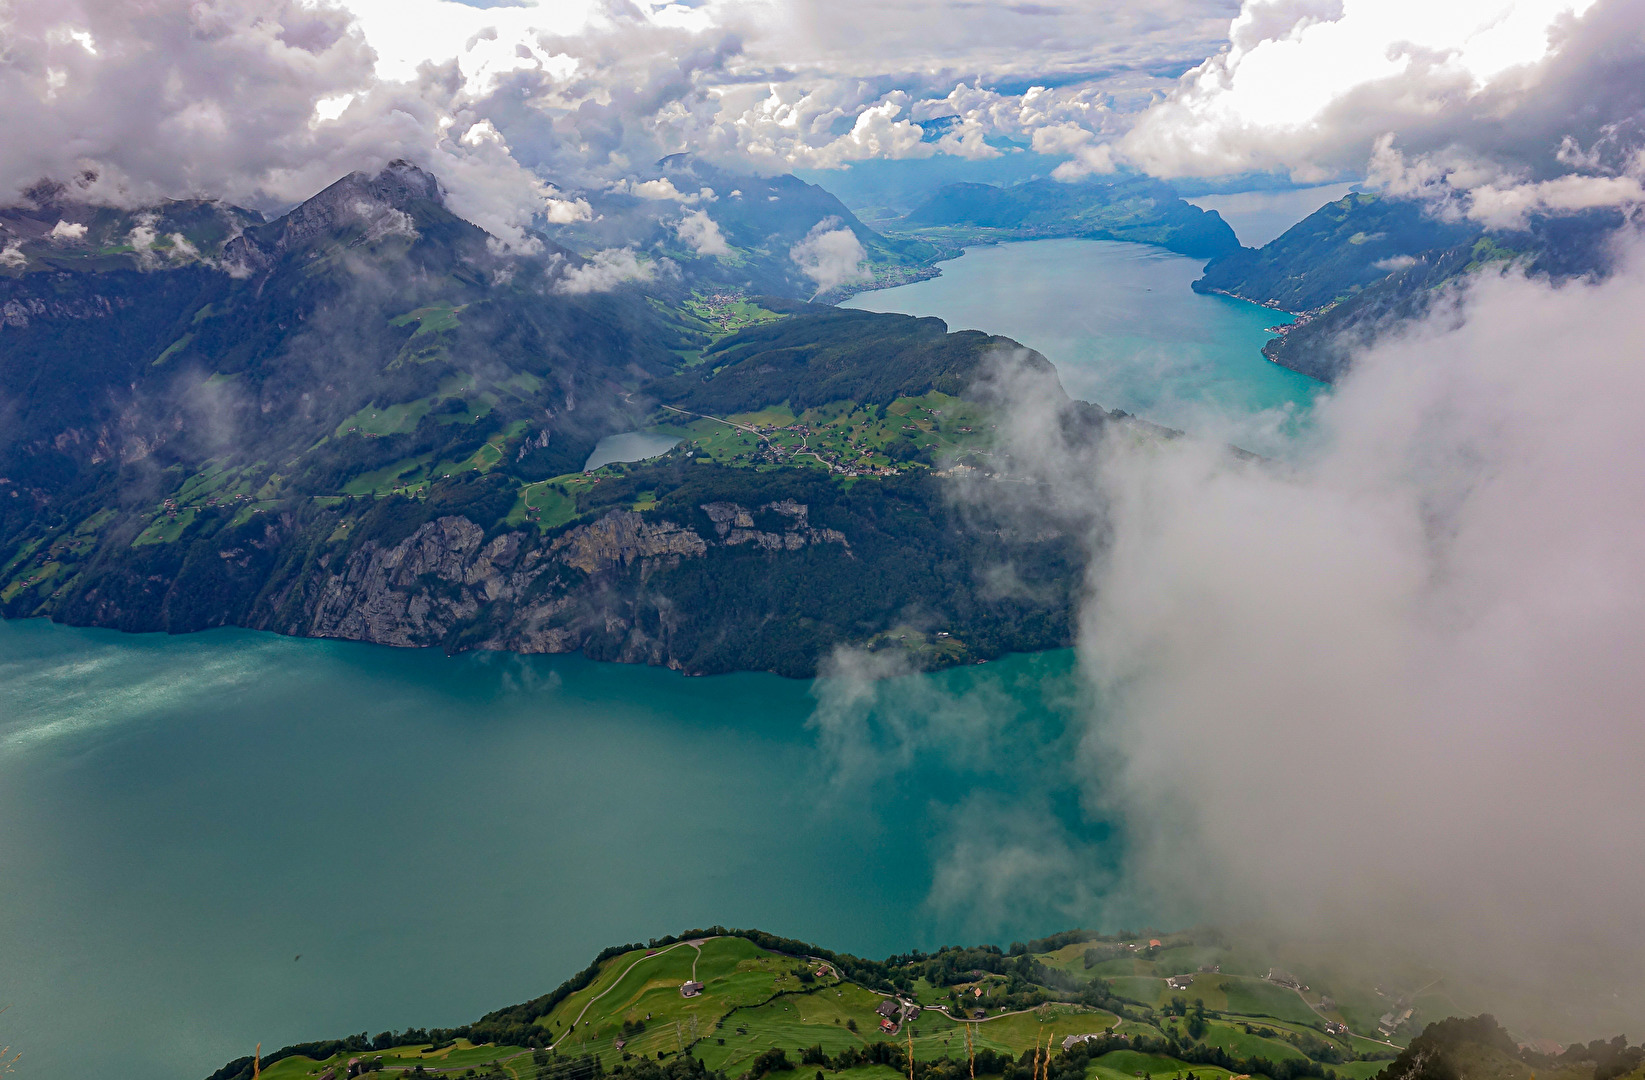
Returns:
<point x="1180" y="982"/>
<point x="1285" y="978"/>
<point x="1392" y="1020"/>
<point x="894" y="1012"/>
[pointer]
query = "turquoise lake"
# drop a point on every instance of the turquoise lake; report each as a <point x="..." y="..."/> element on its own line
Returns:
<point x="182" y="818"/>
<point x="212" y="841"/>
<point x="1125" y="331"/>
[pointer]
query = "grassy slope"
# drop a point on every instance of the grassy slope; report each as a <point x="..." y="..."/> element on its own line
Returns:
<point x="460" y="1056"/>
<point x="755" y="1000"/>
<point x="637" y="988"/>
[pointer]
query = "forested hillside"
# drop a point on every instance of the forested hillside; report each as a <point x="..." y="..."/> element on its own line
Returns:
<point x="1360" y="266"/>
<point x="366" y="420"/>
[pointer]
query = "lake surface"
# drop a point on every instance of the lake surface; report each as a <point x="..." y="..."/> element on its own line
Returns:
<point x="182" y="818"/>
<point x="1125" y="331"/>
<point x="629" y="446"/>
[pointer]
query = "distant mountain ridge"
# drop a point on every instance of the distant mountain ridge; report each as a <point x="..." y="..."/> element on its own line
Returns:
<point x="1339" y="249"/>
<point x="1358" y="267"/>
<point x="50" y="229"/>
<point x="1136" y="209"/>
<point x="760" y="219"/>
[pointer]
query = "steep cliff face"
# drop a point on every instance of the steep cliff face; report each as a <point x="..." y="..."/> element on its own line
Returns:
<point x="519" y="593"/>
<point x="714" y="570"/>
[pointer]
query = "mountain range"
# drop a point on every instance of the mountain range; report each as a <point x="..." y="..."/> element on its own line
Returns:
<point x="367" y="419"/>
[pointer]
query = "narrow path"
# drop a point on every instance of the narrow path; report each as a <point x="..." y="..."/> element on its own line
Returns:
<point x="696" y="944"/>
<point x="718" y="420"/>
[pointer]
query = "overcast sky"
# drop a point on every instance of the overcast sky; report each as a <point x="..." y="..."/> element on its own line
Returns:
<point x="1497" y="107"/>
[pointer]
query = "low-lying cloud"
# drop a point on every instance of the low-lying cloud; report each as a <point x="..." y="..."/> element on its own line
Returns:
<point x="606" y="270"/>
<point x="702" y="233"/>
<point x="831" y="255"/>
<point x="994" y="751"/>
<point x="1392" y="689"/>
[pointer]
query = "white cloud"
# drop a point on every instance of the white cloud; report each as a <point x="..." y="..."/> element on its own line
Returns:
<point x="968" y="140"/>
<point x="606" y="270"/>
<point x="68" y="230"/>
<point x="144" y="238"/>
<point x="228" y="113"/>
<point x="662" y="188"/>
<point x="1461" y="185"/>
<point x="1307" y="85"/>
<point x="879" y="133"/>
<point x="1390" y="690"/>
<point x="565" y="211"/>
<point x="330" y="108"/>
<point x="1508" y="206"/>
<point x="259" y="102"/>
<point x="263" y="102"/>
<point x="13" y="255"/>
<point x="1005" y="42"/>
<point x="831" y="255"/>
<point x="1063" y="139"/>
<point x="702" y="233"/>
<point x="1086" y="161"/>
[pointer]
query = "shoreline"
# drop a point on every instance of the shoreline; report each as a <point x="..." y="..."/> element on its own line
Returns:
<point x="481" y="654"/>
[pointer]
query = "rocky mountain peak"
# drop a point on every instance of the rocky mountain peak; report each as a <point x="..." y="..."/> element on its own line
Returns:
<point x="398" y="185"/>
<point x="385" y="203"/>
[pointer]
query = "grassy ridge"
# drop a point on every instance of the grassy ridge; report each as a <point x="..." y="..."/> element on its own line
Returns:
<point x="764" y="1001"/>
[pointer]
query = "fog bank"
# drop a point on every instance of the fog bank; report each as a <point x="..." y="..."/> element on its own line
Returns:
<point x="1395" y="689"/>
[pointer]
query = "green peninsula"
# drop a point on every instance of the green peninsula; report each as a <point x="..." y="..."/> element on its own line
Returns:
<point x="720" y="1004"/>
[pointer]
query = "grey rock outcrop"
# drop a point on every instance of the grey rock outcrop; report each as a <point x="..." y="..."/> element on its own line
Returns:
<point x="379" y="202"/>
<point x="531" y="595"/>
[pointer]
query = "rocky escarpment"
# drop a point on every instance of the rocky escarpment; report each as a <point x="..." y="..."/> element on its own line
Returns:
<point x="16" y="311"/>
<point x="518" y="593"/>
<point x="694" y="567"/>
